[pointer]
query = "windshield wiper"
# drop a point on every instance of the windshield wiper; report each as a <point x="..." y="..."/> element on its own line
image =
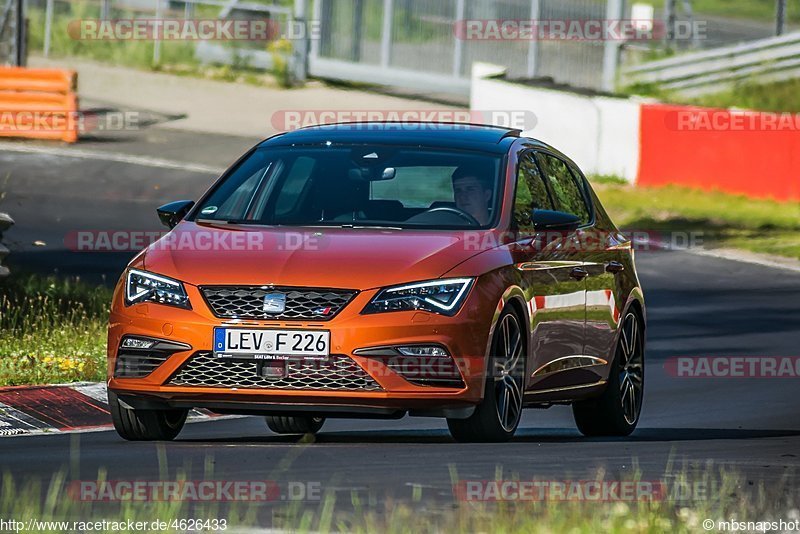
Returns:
<point x="223" y="221"/>
<point x="361" y="226"/>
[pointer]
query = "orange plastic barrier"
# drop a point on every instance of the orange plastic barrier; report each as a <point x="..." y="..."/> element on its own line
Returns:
<point x="39" y="103"/>
<point x="741" y="152"/>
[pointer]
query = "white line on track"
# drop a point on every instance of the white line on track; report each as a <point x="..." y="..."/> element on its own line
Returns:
<point x="111" y="156"/>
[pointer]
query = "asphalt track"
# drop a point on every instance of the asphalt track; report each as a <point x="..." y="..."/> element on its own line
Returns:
<point x="698" y="306"/>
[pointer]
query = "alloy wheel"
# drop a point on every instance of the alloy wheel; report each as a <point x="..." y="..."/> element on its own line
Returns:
<point x="631" y="358"/>
<point x="508" y="372"/>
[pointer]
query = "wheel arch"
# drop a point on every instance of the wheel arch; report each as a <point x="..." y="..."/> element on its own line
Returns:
<point x="513" y="297"/>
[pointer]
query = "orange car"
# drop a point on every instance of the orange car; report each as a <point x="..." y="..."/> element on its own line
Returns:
<point x="378" y="270"/>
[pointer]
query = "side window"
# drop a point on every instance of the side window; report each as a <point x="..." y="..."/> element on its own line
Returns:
<point x="567" y="193"/>
<point x="531" y="192"/>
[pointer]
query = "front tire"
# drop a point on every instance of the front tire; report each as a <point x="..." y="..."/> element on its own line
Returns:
<point x="496" y="418"/>
<point x="294" y="425"/>
<point x="616" y="412"/>
<point x="145" y="425"/>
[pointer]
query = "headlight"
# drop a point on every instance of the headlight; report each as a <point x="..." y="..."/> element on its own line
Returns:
<point x="142" y="286"/>
<point x="438" y="296"/>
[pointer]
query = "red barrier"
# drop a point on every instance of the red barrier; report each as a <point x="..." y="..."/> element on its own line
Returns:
<point x="741" y="152"/>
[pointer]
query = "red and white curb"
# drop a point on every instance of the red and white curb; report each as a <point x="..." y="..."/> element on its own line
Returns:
<point x="80" y="407"/>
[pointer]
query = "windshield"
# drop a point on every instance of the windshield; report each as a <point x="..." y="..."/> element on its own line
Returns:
<point x="359" y="185"/>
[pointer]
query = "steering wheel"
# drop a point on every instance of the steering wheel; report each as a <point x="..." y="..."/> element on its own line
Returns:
<point x="457" y="211"/>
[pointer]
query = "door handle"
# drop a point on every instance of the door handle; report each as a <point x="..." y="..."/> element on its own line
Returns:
<point x="579" y="273"/>
<point x="614" y="267"/>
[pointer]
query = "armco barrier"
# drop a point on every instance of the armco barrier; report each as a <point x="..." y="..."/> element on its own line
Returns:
<point x="677" y="146"/>
<point x="38" y="103"/>
<point x="5" y="224"/>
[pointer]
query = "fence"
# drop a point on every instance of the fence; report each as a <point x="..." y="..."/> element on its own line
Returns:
<point x="5" y="223"/>
<point x="698" y="73"/>
<point x="12" y="33"/>
<point x="730" y="23"/>
<point x="405" y="43"/>
<point x="53" y="15"/>
<point x="412" y="43"/>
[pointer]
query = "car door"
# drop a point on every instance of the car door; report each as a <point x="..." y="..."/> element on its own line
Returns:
<point x="546" y="262"/>
<point x="558" y="348"/>
<point x="607" y="261"/>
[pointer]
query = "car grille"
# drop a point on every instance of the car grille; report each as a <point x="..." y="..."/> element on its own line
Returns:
<point x="138" y="364"/>
<point x="339" y="372"/>
<point x="247" y="302"/>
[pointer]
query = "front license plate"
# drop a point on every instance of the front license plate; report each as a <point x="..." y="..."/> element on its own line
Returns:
<point x="261" y="344"/>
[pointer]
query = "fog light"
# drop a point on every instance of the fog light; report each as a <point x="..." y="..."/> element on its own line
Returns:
<point x="422" y="350"/>
<point x="137" y="343"/>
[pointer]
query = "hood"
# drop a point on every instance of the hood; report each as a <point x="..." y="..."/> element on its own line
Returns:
<point x="348" y="258"/>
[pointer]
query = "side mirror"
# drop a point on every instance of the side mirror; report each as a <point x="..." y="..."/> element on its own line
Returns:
<point x="171" y="214"/>
<point x="554" y="220"/>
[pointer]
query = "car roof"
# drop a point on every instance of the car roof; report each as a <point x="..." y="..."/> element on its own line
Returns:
<point x="493" y="139"/>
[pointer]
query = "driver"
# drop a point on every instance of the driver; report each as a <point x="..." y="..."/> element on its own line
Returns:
<point x="472" y="192"/>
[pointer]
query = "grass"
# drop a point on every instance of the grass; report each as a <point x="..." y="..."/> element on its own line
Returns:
<point x="723" y="495"/>
<point x="763" y="10"/>
<point x="52" y="330"/>
<point x="778" y="96"/>
<point x="783" y="96"/>
<point x="723" y="220"/>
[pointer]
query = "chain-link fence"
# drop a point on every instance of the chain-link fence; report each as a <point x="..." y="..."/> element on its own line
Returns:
<point x="725" y="23"/>
<point x="409" y="43"/>
<point x="420" y="36"/>
<point x="12" y="33"/>
<point x="54" y="30"/>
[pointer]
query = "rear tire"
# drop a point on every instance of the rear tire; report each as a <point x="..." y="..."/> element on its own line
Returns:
<point x="145" y="425"/>
<point x="294" y="425"/>
<point x="497" y="416"/>
<point x="616" y="412"/>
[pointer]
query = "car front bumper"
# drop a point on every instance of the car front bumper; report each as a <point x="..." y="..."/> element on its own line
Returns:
<point x="389" y="393"/>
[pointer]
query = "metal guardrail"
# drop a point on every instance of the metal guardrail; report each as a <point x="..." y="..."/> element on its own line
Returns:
<point x="5" y="223"/>
<point x="710" y="71"/>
